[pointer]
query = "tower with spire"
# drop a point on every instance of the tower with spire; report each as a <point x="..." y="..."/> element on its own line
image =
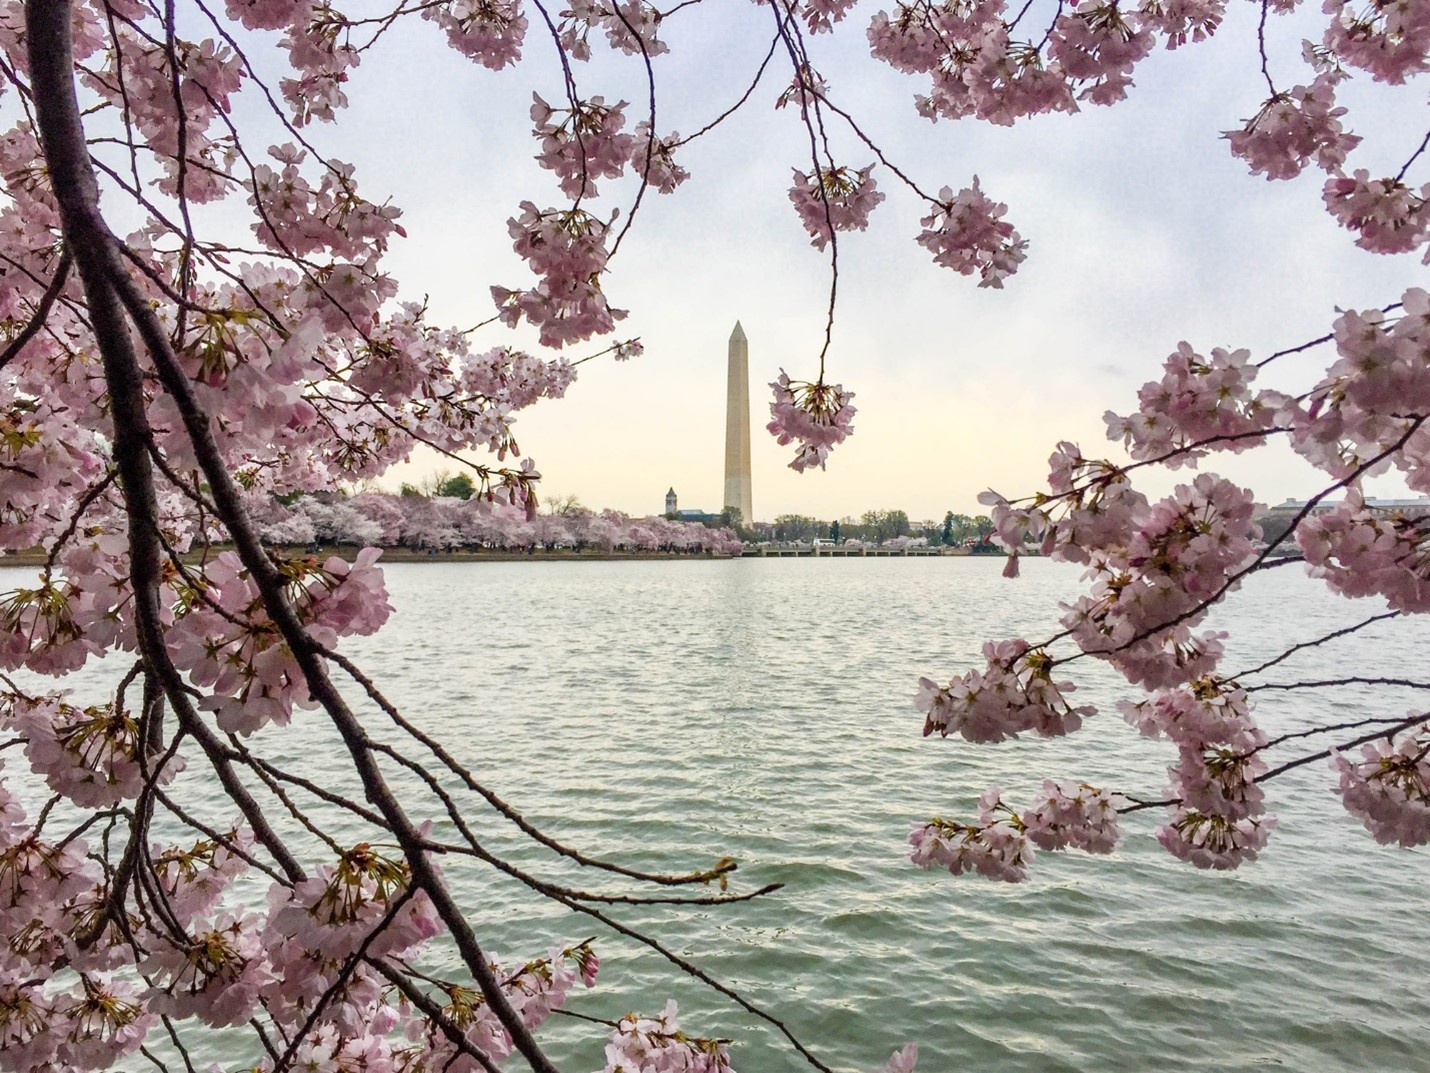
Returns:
<point x="738" y="492"/>
<point x="671" y="508"/>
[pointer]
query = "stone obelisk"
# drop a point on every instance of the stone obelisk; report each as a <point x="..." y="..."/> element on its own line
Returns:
<point x="737" y="428"/>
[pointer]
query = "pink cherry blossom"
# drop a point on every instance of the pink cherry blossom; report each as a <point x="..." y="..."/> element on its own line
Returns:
<point x="1098" y="46"/>
<point x="902" y="1060"/>
<point x="834" y="199"/>
<point x="1387" y="215"/>
<point x="657" y="1045"/>
<point x="1292" y="129"/>
<point x="1082" y="817"/>
<point x="817" y="416"/>
<point x="28" y="1023"/>
<point x="630" y="26"/>
<point x="99" y="1022"/>
<point x="1206" y="711"/>
<point x="90" y="755"/>
<point x="822" y="15"/>
<point x="1360" y="552"/>
<point x="965" y="232"/>
<point x="1391" y="41"/>
<point x="1014" y="694"/>
<point x="1213" y="841"/>
<point x="1198" y="399"/>
<point x="192" y="881"/>
<point x="217" y="974"/>
<point x="489" y="31"/>
<point x="1184" y="20"/>
<point x="653" y="158"/>
<point x="994" y="846"/>
<point x="566" y="248"/>
<point x="582" y="143"/>
<point x="1388" y="788"/>
<point x="1218" y="782"/>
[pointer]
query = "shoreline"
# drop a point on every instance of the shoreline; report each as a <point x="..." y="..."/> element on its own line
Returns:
<point x="348" y="552"/>
<point x="35" y="558"/>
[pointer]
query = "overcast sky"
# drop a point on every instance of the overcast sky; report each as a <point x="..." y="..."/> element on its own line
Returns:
<point x="1143" y="230"/>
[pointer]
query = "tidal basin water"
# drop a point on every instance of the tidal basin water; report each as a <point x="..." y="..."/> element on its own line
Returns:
<point x="665" y="714"/>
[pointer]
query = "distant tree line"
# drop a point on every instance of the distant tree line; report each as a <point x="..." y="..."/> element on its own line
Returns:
<point x="882" y="527"/>
<point x="444" y="514"/>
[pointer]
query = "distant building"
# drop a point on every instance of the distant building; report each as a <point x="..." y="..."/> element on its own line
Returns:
<point x="672" y="510"/>
<point x="1411" y="508"/>
<point x="737" y="441"/>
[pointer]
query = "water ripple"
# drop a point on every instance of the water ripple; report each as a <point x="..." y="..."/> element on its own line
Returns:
<point x="667" y="713"/>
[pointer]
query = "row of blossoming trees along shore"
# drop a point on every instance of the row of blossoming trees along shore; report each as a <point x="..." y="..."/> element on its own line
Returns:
<point x="163" y="365"/>
<point x="445" y="523"/>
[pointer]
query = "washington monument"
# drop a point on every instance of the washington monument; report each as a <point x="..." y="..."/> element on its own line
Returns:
<point x="737" y="428"/>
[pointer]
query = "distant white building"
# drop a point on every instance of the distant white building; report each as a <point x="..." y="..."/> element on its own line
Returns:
<point x="1413" y="508"/>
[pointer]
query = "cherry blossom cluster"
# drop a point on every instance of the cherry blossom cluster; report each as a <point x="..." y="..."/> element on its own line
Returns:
<point x="1293" y="128"/>
<point x="1155" y="568"/>
<point x="1151" y="565"/>
<point x="652" y="157"/>
<point x="1079" y="817"/>
<point x="138" y="78"/>
<point x="630" y="26"/>
<point x="586" y="142"/>
<point x="1096" y="47"/>
<point x="1219" y="818"/>
<point x="834" y="199"/>
<point x="92" y="1025"/>
<point x="314" y="931"/>
<point x="298" y="217"/>
<point x="1361" y="552"/>
<point x="966" y="233"/>
<point x="47" y="461"/>
<point x="1198" y="399"/>
<point x="1205" y="711"/>
<point x="1000" y="843"/>
<point x="566" y="248"/>
<point x="582" y="143"/>
<point x="822" y="15"/>
<point x="217" y="973"/>
<point x="817" y="416"/>
<point x="1364" y="408"/>
<point x="657" y="1045"/>
<point x="1208" y="840"/>
<point x="89" y="755"/>
<point x="82" y="1016"/>
<point x="225" y="641"/>
<point x="1185" y="550"/>
<point x="491" y="32"/>
<point x="1388" y="788"/>
<point x="1389" y="41"/>
<point x="1014" y="694"/>
<point x="1387" y="215"/>
<point x="321" y="56"/>
<point x="193" y="879"/>
<point x="534" y="991"/>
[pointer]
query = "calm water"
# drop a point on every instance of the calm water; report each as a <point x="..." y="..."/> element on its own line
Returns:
<point x="667" y="713"/>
